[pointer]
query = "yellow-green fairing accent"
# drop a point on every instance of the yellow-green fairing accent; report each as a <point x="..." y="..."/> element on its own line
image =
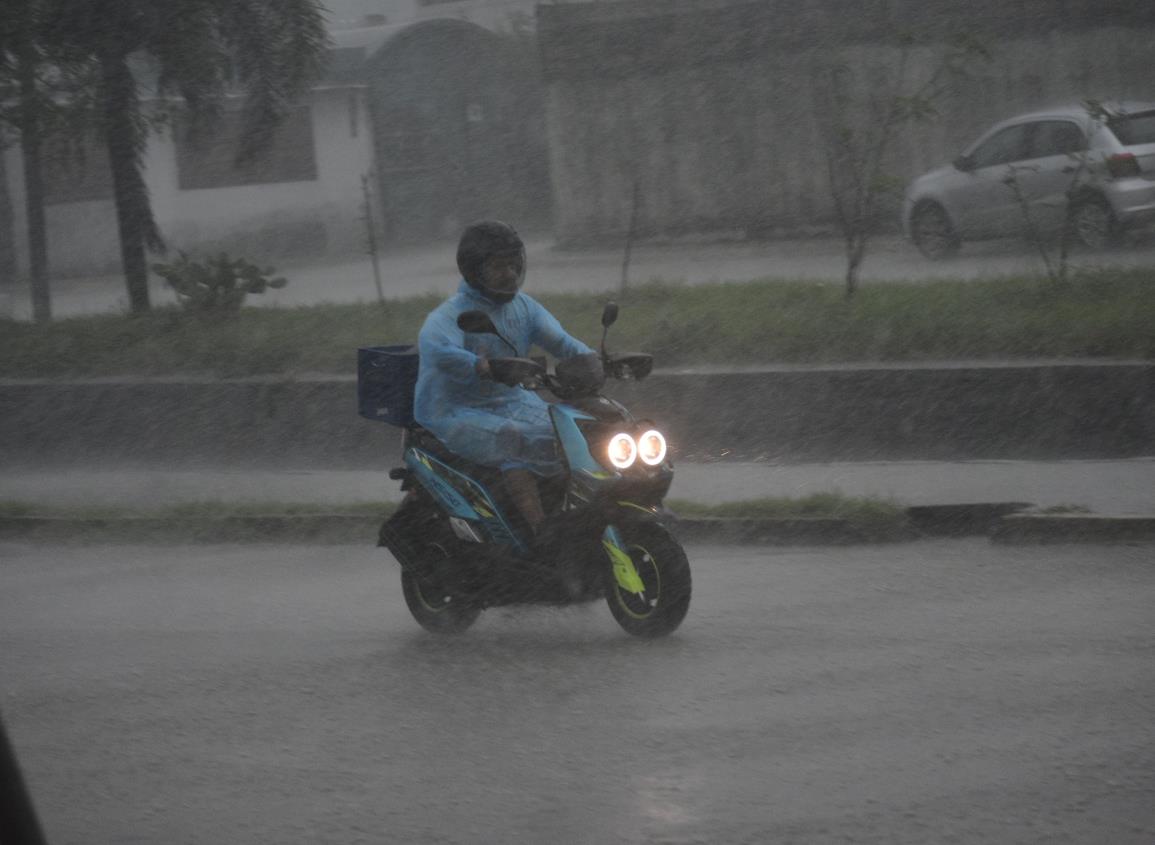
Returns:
<point x="636" y="506"/>
<point x="625" y="573"/>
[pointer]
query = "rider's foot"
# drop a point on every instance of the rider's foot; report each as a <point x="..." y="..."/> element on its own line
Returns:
<point x="553" y="538"/>
<point x="547" y="541"/>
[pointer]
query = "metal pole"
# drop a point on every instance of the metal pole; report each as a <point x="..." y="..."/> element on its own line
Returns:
<point x="371" y="236"/>
<point x="630" y="238"/>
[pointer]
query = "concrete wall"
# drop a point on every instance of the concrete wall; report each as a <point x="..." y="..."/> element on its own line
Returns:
<point x="880" y="413"/>
<point x="711" y="108"/>
<point x="255" y="221"/>
<point x="460" y="131"/>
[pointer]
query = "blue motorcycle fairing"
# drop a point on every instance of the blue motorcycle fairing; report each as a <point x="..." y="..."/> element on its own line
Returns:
<point x="574" y="447"/>
<point x="590" y="481"/>
<point x="461" y="496"/>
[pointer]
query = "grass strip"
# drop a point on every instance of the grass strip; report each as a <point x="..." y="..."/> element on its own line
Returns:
<point x="819" y="518"/>
<point x="1102" y="313"/>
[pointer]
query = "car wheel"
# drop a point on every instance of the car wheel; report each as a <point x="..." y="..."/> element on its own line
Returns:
<point x="1092" y="224"/>
<point x="933" y="233"/>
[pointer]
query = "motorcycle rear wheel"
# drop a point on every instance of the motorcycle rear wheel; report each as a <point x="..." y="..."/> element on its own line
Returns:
<point x="435" y="608"/>
<point x="665" y="572"/>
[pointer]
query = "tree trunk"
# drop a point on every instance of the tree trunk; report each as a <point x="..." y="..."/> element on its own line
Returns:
<point x="855" y="251"/>
<point x="125" y="142"/>
<point x="8" y="269"/>
<point x="851" y="279"/>
<point x="30" y="141"/>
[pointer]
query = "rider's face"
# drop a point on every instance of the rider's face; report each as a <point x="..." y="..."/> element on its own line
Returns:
<point x="502" y="272"/>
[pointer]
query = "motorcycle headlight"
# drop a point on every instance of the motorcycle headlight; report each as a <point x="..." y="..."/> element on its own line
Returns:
<point x="622" y="451"/>
<point x="652" y="447"/>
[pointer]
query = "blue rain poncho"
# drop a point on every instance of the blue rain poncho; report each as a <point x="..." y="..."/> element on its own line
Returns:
<point x="481" y="420"/>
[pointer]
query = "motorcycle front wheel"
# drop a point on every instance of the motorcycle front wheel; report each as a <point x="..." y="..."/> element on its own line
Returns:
<point x="665" y="573"/>
<point x="434" y="607"/>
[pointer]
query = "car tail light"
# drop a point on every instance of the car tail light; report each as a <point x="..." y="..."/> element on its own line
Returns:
<point x="1121" y="165"/>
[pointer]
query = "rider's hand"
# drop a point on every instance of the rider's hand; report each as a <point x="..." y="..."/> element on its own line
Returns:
<point x="482" y="367"/>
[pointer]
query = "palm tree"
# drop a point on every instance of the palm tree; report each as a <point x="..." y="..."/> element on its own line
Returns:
<point x="42" y="95"/>
<point x="197" y="50"/>
<point x="19" y="65"/>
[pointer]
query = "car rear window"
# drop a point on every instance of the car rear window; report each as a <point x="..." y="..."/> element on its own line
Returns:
<point x="1132" y="129"/>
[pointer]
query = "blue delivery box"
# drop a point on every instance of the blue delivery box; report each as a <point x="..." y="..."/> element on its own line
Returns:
<point x="386" y="378"/>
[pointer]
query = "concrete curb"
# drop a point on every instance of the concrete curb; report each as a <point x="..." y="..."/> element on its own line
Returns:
<point x="321" y="529"/>
<point x="1001" y="521"/>
<point x="879" y="412"/>
<point x="1031" y="528"/>
<point x="965" y="520"/>
<point x="358" y="529"/>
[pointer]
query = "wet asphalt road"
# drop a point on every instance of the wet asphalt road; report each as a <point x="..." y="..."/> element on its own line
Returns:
<point x="922" y="693"/>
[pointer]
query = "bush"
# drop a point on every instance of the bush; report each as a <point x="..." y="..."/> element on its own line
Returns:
<point x="216" y="285"/>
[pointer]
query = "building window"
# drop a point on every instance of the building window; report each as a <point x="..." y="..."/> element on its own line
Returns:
<point x="75" y="169"/>
<point x="207" y="159"/>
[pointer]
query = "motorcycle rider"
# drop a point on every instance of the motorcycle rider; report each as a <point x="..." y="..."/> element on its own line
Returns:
<point x="456" y="398"/>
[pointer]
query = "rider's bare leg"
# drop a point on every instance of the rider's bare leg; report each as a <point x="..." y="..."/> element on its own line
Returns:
<point x="522" y="487"/>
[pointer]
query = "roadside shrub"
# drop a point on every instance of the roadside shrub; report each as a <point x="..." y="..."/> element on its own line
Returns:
<point x="216" y="285"/>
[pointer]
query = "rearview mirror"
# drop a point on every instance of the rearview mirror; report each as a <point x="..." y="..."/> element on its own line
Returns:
<point x="475" y="322"/>
<point x="964" y="163"/>
<point x="609" y="314"/>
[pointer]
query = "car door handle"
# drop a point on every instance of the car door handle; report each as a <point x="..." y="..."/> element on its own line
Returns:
<point x="1069" y="169"/>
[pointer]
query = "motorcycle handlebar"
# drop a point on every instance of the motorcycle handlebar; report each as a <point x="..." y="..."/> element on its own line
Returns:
<point x="532" y="375"/>
<point x="515" y="371"/>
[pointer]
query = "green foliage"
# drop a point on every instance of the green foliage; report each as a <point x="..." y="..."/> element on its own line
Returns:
<point x="1105" y="314"/>
<point x="1063" y="509"/>
<point x="60" y="90"/>
<point x="216" y="285"/>
<point x="197" y="50"/>
<point x="860" y="121"/>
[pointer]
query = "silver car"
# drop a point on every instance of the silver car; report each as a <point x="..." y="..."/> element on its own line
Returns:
<point x="1090" y="169"/>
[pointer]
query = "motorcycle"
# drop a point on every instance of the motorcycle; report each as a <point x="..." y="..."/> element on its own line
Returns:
<point x="462" y="545"/>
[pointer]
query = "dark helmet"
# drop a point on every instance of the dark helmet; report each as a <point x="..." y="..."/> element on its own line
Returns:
<point x="490" y="239"/>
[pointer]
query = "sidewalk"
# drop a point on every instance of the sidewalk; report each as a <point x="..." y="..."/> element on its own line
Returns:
<point x="412" y="271"/>
<point x="1114" y="487"/>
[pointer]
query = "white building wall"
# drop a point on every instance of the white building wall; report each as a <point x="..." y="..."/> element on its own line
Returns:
<point x="496" y="15"/>
<point x="257" y="222"/>
<point x="81" y="236"/>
